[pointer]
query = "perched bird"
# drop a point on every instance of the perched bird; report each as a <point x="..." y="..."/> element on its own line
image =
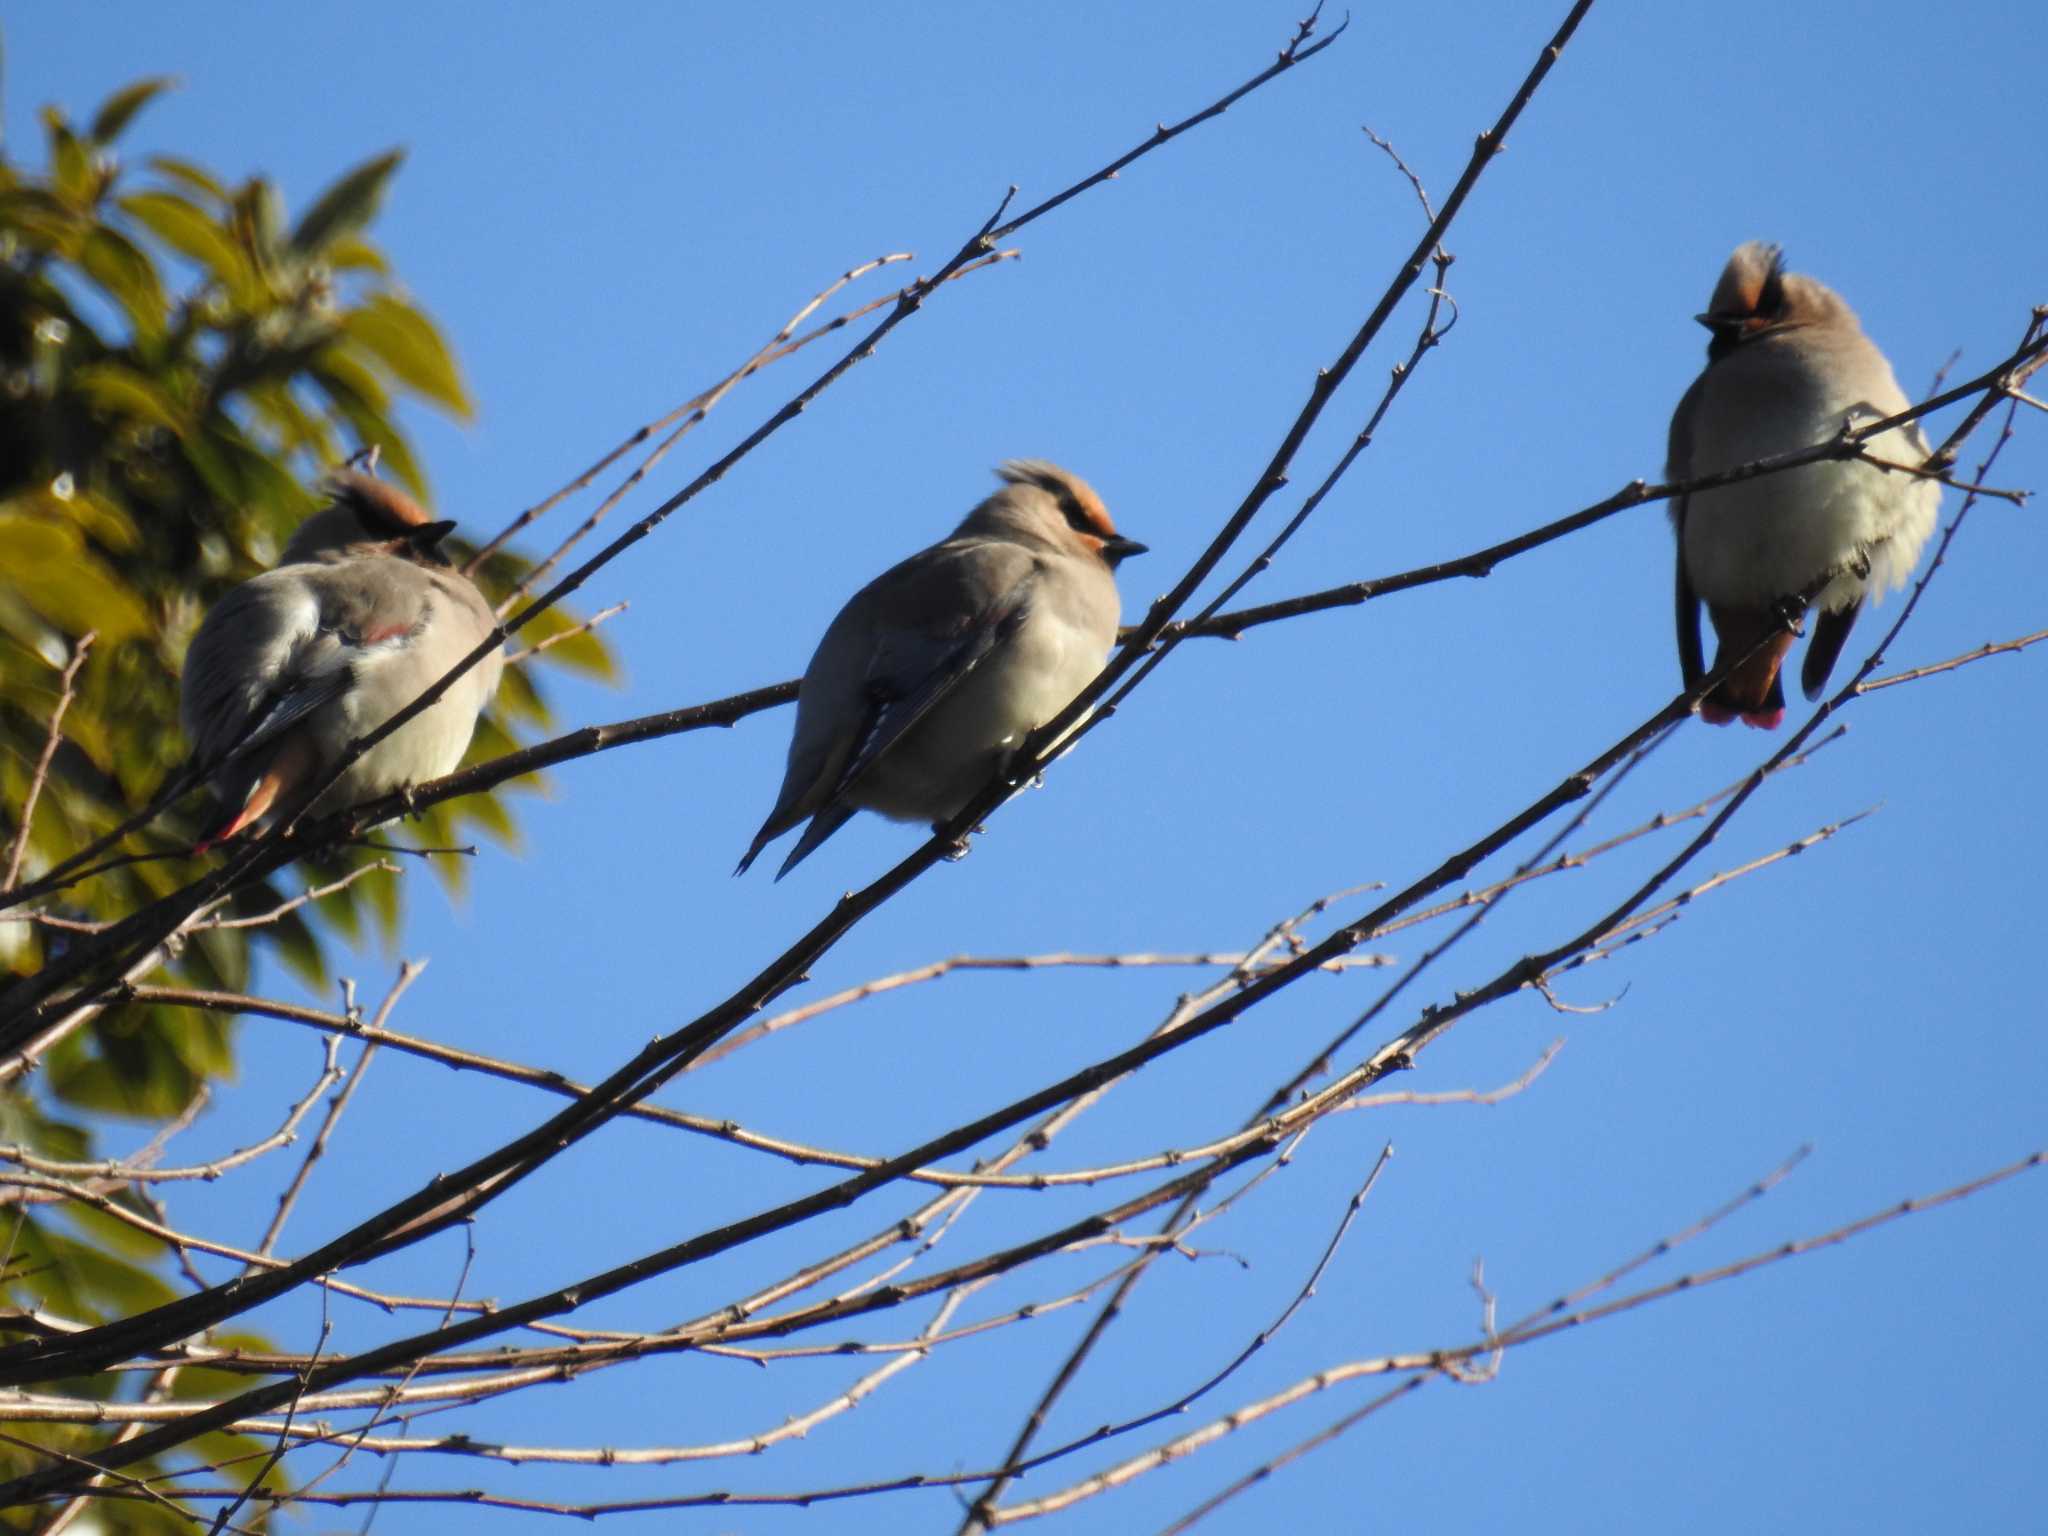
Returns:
<point x="361" y="616"/>
<point x="1788" y="368"/>
<point x="937" y="669"/>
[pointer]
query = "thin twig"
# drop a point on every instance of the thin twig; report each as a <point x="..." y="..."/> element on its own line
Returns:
<point x="408" y="972"/>
<point x="66" y="691"/>
<point x="1423" y="1366"/>
<point x="518" y="658"/>
<point x="1995" y="648"/>
<point x="696" y="402"/>
<point x="139" y="1170"/>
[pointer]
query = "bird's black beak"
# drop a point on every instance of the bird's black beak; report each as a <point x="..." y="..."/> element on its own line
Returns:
<point x="1120" y="548"/>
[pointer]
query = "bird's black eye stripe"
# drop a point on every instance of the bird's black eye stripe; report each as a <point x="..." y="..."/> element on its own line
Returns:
<point x="1076" y="516"/>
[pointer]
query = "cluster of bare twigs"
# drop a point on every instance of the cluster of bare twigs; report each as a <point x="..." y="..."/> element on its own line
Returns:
<point x="886" y="1298"/>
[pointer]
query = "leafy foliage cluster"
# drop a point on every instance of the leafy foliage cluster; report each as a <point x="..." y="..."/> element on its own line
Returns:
<point x="179" y="362"/>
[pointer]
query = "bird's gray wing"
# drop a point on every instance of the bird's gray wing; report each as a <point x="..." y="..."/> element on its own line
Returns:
<point x="239" y="666"/>
<point x="1678" y="466"/>
<point x="917" y="669"/>
<point x="913" y="674"/>
<point x="1830" y="633"/>
<point x="280" y="647"/>
<point x="834" y="815"/>
<point x="1691" y="667"/>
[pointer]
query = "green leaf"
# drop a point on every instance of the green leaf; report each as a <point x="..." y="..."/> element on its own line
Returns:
<point x="110" y="1232"/>
<point x="346" y="206"/>
<point x="260" y="217"/>
<point x="382" y="893"/>
<point x="437" y="827"/>
<point x="298" y="429"/>
<point x="118" y="390"/>
<point x="33" y="541"/>
<point x="352" y="253"/>
<point x="267" y="485"/>
<point x="114" y="1285"/>
<point x="71" y="173"/>
<point x="114" y="114"/>
<point x="203" y="1042"/>
<point x="36" y="1275"/>
<point x="147" y="1085"/>
<point x="23" y="1122"/>
<point x="113" y="261"/>
<point x="213" y="468"/>
<point x="488" y="812"/>
<point x="492" y="741"/>
<point x="406" y="343"/>
<point x="61" y="580"/>
<point x="299" y="947"/>
<point x="201" y="1383"/>
<point x="361" y="398"/>
<point x="216" y="961"/>
<point x="519" y="698"/>
<point x="39" y="217"/>
<point x="262" y="492"/>
<point x="106" y="522"/>
<point x="193" y="234"/>
<point x="195" y="176"/>
<point x="349" y="383"/>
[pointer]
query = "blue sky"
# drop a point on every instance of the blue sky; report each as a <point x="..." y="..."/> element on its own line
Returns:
<point x="606" y="210"/>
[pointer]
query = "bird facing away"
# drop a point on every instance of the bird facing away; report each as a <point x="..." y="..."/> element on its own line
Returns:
<point x="935" y="672"/>
<point x="362" y="615"/>
<point x="1788" y="367"/>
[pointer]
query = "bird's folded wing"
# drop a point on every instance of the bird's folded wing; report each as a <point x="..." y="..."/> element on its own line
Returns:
<point x="1691" y="666"/>
<point x="1830" y="633"/>
<point x="240" y="662"/>
<point x="280" y="647"/>
<point x="1678" y="467"/>
<point x="903" y="644"/>
<point x="916" y="669"/>
<point x="287" y="706"/>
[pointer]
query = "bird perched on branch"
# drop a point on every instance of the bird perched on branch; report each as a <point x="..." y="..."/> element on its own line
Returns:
<point x="361" y="616"/>
<point x="936" y="671"/>
<point x="1788" y="367"/>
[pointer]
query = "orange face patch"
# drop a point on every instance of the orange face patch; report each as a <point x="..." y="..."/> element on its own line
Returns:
<point x="383" y="508"/>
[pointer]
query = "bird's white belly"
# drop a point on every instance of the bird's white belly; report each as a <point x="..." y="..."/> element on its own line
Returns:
<point x="1760" y="540"/>
<point x="425" y="747"/>
<point x="938" y="765"/>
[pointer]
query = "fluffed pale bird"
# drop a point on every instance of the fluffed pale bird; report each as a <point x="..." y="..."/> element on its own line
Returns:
<point x="935" y="671"/>
<point x="362" y="614"/>
<point x="1788" y="367"/>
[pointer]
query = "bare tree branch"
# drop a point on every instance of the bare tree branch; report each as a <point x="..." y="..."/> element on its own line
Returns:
<point x="67" y="682"/>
